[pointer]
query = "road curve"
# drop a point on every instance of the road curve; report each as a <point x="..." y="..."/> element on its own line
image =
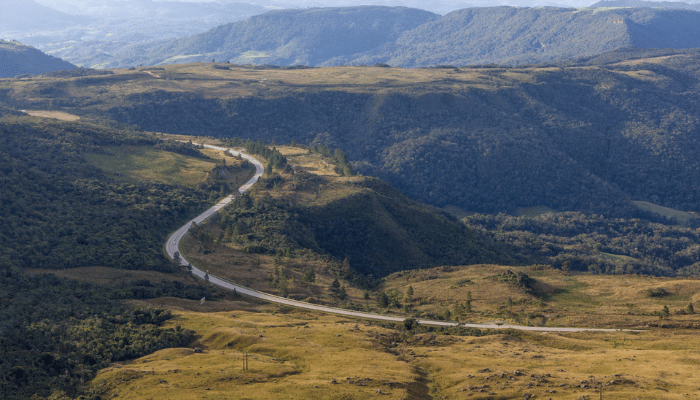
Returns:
<point x="173" y="243"/>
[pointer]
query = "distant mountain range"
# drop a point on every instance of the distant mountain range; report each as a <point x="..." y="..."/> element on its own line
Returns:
<point x="412" y="38"/>
<point x="103" y="33"/>
<point x="288" y="37"/>
<point x="17" y="59"/>
<point x="649" y="4"/>
<point x="112" y="34"/>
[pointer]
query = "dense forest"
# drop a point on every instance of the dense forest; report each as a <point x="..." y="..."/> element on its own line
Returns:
<point x="575" y="241"/>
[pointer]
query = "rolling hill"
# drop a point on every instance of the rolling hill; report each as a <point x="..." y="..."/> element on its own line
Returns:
<point x="17" y="59"/>
<point x="289" y="37"/>
<point x="412" y="38"/>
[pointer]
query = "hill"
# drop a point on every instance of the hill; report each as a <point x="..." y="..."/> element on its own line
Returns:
<point x="412" y="38"/>
<point x="358" y="221"/>
<point x="579" y="138"/>
<point x="290" y="37"/>
<point x="60" y="211"/>
<point x="513" y="36"/>
<point x="17" y="59"/>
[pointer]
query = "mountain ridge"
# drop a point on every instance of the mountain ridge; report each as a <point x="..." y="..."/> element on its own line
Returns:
<point x="411" y="38"/>
<point x="17" y="59"/>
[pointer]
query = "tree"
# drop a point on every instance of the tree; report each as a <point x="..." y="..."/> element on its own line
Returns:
<point x="383" y="300"/>
<point x="410" y="324"/>
<point x="409" y="293"/>
<point x="309" y="275"/>
<point x="690" y="309"/>
<point x="341" y="293"/>
<point x="345" y="268"/>
<point x="335" y="285"/>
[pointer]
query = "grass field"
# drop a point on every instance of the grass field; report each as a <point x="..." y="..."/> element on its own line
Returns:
<point x="240" y="81"/>
<point x="681" y="217"/>
<point x="60" y="115"/>
<point x="557" y="299"/>
<point x="148" y="164"/>
<point x="301" y="355"/>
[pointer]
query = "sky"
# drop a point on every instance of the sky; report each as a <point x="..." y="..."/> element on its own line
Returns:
<point x="446" y="5"/>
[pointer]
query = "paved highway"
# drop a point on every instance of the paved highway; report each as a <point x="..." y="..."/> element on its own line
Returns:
<point x="173" y="243"/>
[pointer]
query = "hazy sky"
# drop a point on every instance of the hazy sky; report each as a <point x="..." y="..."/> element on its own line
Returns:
<point x="444" y="5"/>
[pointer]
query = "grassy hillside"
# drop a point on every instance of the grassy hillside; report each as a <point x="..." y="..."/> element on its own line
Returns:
<point x="17" y="59"/>
<point x="306" y="355"/>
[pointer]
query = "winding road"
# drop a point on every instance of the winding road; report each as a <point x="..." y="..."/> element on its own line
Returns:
<point x="173" y="242"/>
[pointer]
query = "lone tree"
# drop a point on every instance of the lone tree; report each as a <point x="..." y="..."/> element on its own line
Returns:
<point x="410" y="323"/>
<point x="383" y="300"/>
<point x="409" y="293"/>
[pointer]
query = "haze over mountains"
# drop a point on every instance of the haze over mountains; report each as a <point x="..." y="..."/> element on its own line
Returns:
<point x="112" y="33"/>
<point x="18" y="59"/>
<point x="101" y="33"/>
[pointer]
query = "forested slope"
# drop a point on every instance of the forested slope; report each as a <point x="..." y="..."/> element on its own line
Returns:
<point x="59" y="211"/>
<point x="290" y="37"/>
<point x="587" y="138"/>
<point x="512" y="36"/>
<point x="361" y="220"/>
<point x="17" y="59"/>
<point x="413" y="38"/>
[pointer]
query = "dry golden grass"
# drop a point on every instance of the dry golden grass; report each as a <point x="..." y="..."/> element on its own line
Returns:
<point x="549" y="365"/>
<point x="60" y="115"/>
<point x="560" y="299"/>
<point x="298" y="354"/>
<point x="303" y="160"/>
<point x="241" y="81"/>
<point x="295" y="356"/>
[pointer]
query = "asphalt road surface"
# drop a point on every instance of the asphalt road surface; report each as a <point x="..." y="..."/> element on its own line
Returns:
<point x="173" y="243"/>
